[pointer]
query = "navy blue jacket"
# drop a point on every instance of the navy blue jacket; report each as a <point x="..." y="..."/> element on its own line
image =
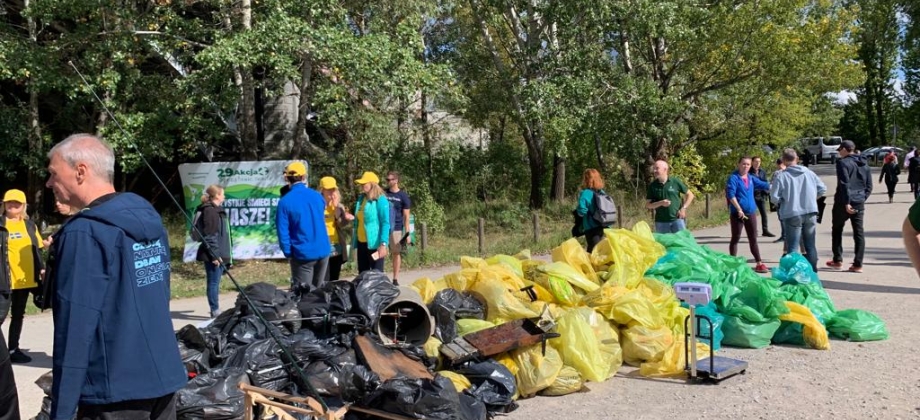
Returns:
<point x="301" y="224"/>
<point x="745" y="194"/>
<point x="113" y="334"/>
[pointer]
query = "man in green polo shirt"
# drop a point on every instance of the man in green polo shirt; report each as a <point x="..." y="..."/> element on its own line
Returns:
<point x="911" y="233"/>
<point x="663" y="196"/>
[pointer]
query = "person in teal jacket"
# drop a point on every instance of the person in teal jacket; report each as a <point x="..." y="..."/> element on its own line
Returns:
<point x="372" y="224"/>
<point x="593" y="231"/>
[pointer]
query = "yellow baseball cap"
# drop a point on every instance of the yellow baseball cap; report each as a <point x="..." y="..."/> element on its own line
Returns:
<point x="367" y="177"/>
<point x="327" y="183"/>
<point x="15" y="195"/>
<point x="295" y="169"/>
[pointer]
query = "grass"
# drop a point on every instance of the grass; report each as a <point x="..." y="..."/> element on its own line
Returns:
<point x="508" y="230"/>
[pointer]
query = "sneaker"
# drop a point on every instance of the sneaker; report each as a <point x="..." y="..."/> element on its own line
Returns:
<point x="855" y="269"/>
<point x="17" y="356"/>
<point x="215" y="314"/>
<point x="761" y="268"/>
<point x="395" y="282"/>
<point x="834" y="264"/>
<point x="768" y="234"/>
<point x="778" y="240"/>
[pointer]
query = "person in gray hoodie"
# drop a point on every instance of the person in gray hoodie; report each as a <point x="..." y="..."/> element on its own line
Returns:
<point x="795" y="191"/>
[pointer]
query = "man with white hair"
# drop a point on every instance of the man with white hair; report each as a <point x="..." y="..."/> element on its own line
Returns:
<point x="663" y="196"/>
<point x="115" y="352"/>
<point x="795" y="191"/>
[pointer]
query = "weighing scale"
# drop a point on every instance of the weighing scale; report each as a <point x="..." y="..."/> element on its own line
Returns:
<point x="715" y="368"/>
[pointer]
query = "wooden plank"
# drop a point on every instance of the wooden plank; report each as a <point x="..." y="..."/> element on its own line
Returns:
<point x="379" y="413"/>
<point x="388" y="363"/>
<point x="505" y="337"/>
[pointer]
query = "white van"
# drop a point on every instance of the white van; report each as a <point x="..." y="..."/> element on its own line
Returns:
<point x="822" y="147"/>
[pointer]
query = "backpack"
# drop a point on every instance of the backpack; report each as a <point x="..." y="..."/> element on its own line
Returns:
<point x="605" y="210"/>
<point x="194" y="231"/>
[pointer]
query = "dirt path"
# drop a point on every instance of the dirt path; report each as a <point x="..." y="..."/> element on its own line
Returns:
<point x="852" y="380"/>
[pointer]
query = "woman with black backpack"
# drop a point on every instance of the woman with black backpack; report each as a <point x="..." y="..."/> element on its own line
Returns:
<point x="215" y="249"/>
<point x="592" y="184"/>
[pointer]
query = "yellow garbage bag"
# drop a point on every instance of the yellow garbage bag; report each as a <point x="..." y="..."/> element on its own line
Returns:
<point x="543" y="295"/>
<point x="432" y="347"/>
<point x="609" y="338"/>
<point x="571" y="253"/>
<point x="674" y="315"/>
<point x="466" y="326"/>
<point x="643" y="344"/>
<point x="657" y="291"/>
<point x="603" y="300"/>
<point x="813" y="331"/>
<point x="502" y="273"/>
<point x="633" y="253"/>
<point x="673" y="361"/>
<point x="512" y="263"/>
<point x="536" y="371"/>
<point x="460" y="382"/>
<point x="567" y="382"/>
<point x="579" y="346"/>
<point x="425" y="288"/>
<point x="523" y="255"/>
<point x="560" y="289"/>
<point x="501" y="305"/>
<point x="462" y="280"/>
<point x="569" y="274"/>
<point x="635" y="308"/>
<point x="530" y="269"/>
<point x="472" y="262"/>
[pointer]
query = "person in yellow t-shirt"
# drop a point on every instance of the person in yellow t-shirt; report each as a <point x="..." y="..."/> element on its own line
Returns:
<point x="337" y="220"/>
<point x="26" y="266"/>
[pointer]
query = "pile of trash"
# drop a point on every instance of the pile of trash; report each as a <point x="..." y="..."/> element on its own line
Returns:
<point x="469" y="345"/>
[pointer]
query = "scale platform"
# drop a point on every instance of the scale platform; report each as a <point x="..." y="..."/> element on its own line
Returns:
<point x="718" y="368"/>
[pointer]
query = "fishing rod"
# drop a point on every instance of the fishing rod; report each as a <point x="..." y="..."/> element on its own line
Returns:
<point x="268" y="326"/>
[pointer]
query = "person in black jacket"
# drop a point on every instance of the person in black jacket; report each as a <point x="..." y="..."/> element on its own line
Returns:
<point x="913" y="174"/>
<point x="761" y="197"/>
<point x="854" y="185"/>
<point x="890" y="172"/>
<point x="9" y="399"/>
<point x="215" y="249"/>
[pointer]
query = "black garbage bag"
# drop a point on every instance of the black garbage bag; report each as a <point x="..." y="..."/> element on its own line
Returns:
<point x="194" y="350"/>
<point x="267" y="299"/>
<point x="262" y="361"/>
<point x="342" y="377"/>
<point x="493" y="384"/>
<point x="419" y="398"/>
<point x="213" y="396"/>
<point x="472" y="407"/>
<point x="326" y="304"/>
<point x="251" y="329"/>
<point x="373" y="292"/>
<point x="447" y="307"/>
<point x="305" y="347"/>
<point x="44" y="382"/>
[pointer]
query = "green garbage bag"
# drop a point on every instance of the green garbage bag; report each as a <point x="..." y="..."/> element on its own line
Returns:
<point x="751" y="334"/>
<point x="717" y="320"/>
<point x="857" y="325"/>
<point x="794" y="268"/>
<point x="812" y="296"/>
<point x="789" y="333"/>
<point x="757" y="301"/>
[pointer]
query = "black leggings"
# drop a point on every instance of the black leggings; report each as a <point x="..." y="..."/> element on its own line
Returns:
<point x="18" y="301"/>
<point x="891" y="185"/>
<point x="593" y="237"/>
<point x="762" y="208"/>
<point x="334" y="269"/>
<point x="750" y="227"/>
<point x="365" y="261"/>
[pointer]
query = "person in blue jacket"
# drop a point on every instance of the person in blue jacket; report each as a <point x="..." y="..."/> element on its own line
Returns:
<point x="739" y="192"/>
<point x="115" y="351"/>
<point x="302" y="234"/>
<point x="593" y="231"/>
<point x="372" y="224"/>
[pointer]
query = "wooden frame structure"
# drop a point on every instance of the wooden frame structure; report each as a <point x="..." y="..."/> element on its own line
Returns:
<point x="280" y="404"/>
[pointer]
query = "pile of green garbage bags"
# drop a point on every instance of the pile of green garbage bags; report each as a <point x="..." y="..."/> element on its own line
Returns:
<point x="617" y="305"/>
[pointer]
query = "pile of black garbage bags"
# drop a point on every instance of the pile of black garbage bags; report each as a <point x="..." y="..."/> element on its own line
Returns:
<point x="317" y="329"/>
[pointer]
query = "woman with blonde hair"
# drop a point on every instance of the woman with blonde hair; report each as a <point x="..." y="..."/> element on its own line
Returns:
<point x="216" y="245"/>
<point x="26" y="267"/>
<point x="591" y="184"/>
<point x="337" y="219"/>
<point x="371" y="224"/>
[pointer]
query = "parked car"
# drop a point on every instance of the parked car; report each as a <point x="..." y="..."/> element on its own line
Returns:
<point x="822" y="148"/>
<point x="878" y="154"/>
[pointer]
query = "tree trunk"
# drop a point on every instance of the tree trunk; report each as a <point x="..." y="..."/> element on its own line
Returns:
<point x="34" y="186"/>
<point x="558" y="188"/>
<point x="303" y="107"/>
<point x="599" y="152"/>
<point x="427" y="140"/>
<point x="242" y="78"/>
<point x="880" y="102"/>
<point x="535" y="157"/>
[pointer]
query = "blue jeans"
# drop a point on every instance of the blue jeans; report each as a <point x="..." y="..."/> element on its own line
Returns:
<point x="802" y="228"/>
<point x="671" y="227"/>
<point x="213" y="273"/>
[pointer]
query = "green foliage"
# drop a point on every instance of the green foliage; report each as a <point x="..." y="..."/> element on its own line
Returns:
<point x="426" y="209"/>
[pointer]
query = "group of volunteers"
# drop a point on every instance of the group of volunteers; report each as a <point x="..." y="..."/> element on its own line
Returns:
<point x="796" y="192"/>
<point x="313" y="228"/>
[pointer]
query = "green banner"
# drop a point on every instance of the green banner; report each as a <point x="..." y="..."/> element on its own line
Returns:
<point x="252" y="191"/>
